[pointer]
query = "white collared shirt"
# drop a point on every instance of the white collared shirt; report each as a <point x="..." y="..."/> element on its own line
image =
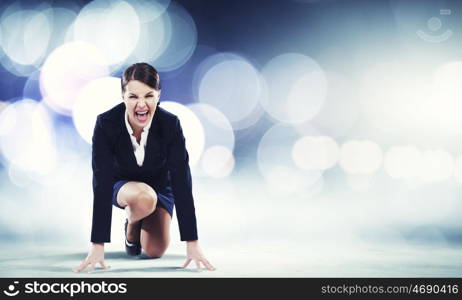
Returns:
<point x="138" y="148"/>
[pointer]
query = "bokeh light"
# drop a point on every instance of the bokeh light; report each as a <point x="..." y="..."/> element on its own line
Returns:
<point x="444" y="107"/>
<point x="275" y="163"/>
<point x="182" y="41"/>
<point x="67" y="70"/>
<point x="31" y="88"/>
<point x="312" y="153"/>
<point x="94" y="98"/>
<point x="148" y="10"/>
<point x="217" y="128"/>
<point x="437" y="166"/>
<point x="155" y="30"/>
<point x="100" y="19"/>
<point x="33" y="29"/>
<point x="403" y="162"/>
<point x="26" y="140"/>
<point x="360" y="157"/>
<point x="458" y="169"/>
<point x="7" y="119"/>
<point x="193" y="130"/>
<point x="232" y="84"/>
<point x="297" y="88"/>
<point x="61" y="19"/>
<point x="217" y="161"/>
<point x="341" y="109"/>
<point x="281" y="108"/>
<point x="18" y="176"/>
<point x="394" y="97"/>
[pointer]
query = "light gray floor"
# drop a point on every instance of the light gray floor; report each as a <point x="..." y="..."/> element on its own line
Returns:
<point x="246" y="231"/>
<point x="257" y="259"/>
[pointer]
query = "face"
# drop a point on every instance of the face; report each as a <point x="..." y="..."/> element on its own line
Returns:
<point x="141" y="103"/>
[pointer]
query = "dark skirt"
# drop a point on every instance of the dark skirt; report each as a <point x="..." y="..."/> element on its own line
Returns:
<point x="164" y="197"/>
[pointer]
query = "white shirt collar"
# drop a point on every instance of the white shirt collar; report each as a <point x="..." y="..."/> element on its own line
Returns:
<point x="129" y="127"/>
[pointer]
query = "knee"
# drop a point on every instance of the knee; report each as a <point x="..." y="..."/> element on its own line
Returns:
<point x="143" y="198"/>
<point x="156" y="251"/>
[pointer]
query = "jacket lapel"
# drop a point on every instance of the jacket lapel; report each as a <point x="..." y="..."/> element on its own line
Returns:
<point x="154" y="143"/>
<point x="125" y="142"/>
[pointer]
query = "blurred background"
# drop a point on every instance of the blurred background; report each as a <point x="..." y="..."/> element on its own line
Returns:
<point x="311" y="125"/>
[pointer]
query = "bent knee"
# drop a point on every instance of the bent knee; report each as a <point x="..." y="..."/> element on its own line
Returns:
<point x="144" y="197"/>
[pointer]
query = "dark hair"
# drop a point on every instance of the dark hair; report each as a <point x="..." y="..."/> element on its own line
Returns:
<point x="142" y="72"/>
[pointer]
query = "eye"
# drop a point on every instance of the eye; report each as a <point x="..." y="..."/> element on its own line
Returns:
<point x="132" y="97"/>
<point x="149" y="96"/>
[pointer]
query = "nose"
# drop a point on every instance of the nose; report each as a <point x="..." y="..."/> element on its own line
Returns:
<point x="142" y="102"/>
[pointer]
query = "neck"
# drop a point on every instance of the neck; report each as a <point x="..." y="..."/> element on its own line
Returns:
<point x="137" y="132"/>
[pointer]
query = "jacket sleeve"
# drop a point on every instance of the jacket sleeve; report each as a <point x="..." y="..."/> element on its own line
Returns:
<point x="102" y="164"/>
<point x="180" y="175"/>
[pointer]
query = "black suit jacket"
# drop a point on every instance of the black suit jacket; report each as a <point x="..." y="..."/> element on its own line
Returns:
<point x="166" y="163"/>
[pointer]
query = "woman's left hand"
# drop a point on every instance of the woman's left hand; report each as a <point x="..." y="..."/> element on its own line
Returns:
<point x="194" y="252"/>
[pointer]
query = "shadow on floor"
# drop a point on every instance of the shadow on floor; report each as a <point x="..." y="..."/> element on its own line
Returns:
<point x="81" y="256"/>
<point x="31" y="270"/>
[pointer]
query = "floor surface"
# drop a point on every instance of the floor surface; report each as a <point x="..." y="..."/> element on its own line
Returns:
<point x="259" y="259"/>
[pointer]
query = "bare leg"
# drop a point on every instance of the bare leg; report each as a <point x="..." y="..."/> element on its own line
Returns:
<point x="155" y="232"/>
<point x="139" y="200"/>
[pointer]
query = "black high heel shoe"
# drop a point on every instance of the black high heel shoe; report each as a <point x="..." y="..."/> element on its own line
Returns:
<point x="132" y="249"/>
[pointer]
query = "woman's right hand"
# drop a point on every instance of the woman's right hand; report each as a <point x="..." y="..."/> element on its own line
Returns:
<point x="96" y="255"/>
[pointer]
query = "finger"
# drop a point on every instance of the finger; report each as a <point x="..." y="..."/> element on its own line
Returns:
<point x="91" y="268"/>
<point x="104" y="265"/>
<point x="198" y="266"/>
<point x="82" y="266"/>
<point x="186" y="263"/>
<point x="208" y="265"/>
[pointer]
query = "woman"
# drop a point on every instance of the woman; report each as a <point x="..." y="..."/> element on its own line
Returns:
<point x="139" y="160"/>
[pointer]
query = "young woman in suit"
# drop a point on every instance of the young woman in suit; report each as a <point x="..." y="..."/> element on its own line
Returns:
<point x="140" y="164"/>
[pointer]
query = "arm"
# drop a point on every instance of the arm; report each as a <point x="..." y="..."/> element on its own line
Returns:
<point x="180" y="174"/>
<point x="102" y="163"/>
<point x="178" y="165"/>
<point x="102" y="206"/>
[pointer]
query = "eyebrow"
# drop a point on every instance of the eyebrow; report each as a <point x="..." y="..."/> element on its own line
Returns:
<point x="131" y="94"/>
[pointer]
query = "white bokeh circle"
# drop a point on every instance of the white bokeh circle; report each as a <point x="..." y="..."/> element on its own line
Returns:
<point x="193" y="129"/>
<point x="67" y="70"/>
<point x="297" y="88"/>
<point x="217" y="128"/>
<point x="217" y="161"/>
<point x="230" y="83"/>
<point x="33" y="29"/>
<point x="181" y="31"/>
<point x="94" y="98"/>
<point x="315" y="152"/>
<point x="360" y="157"/>
<point x="113" y="27"/>
<point x="27" y="140"/>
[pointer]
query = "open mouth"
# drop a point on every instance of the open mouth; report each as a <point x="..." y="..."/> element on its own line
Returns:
<point x="141" y="115"/>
